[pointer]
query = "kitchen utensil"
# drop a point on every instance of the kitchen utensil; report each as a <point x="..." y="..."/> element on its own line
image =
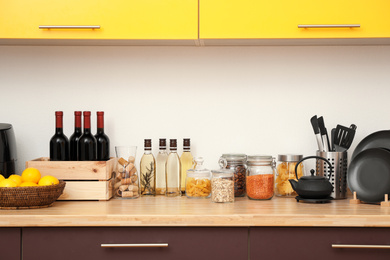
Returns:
<point x="369" y="175"/>
<point x="380" y="139"/>
<point x="7" y="150"/>
<point x="314" y="123"/>
<point x="332" y="133"/>
<point x="343" y="138"/>
<point x="312" y="187"/>
<point x="324" y="133"/>
<point x="338" y="178"/>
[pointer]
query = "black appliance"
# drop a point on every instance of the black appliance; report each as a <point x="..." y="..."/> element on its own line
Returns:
<point x="7" y="150"/>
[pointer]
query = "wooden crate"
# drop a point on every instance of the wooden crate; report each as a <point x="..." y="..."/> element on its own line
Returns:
<point x="85" y="180"/>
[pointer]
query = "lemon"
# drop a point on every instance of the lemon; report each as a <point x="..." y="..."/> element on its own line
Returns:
<point x="31" y="175"/>
<point x="48" y="180"/>
<point x="1" y="177"/>
<point x="16" y="178"/>
<point x="28" y="184"/>
<point x="8" y="183"/>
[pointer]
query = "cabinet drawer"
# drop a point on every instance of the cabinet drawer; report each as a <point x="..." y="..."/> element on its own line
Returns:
<point x="10" y="243"/>
<point x="85" y="243"/>
<point x="132" y="19"/>
<point x="316" y="243"/>
<point x="251" y="19"/>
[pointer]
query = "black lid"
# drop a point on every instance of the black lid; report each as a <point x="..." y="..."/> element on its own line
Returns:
<point x="186" y="142"/>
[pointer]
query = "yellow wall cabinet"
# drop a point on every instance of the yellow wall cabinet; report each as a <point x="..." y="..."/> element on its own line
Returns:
<point x="300" y="19"/>
<point x="99" y="19"/>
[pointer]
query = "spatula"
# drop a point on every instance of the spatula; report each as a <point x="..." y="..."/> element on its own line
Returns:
<point x="343" y="137"/>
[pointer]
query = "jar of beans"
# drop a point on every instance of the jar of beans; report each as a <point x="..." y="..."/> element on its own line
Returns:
<point x="237" y="163"/>
<point x="260" y="177"/>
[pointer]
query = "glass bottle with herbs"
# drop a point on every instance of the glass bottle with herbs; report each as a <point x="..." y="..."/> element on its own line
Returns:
<point x="148" y="170"/>
<point x="161" y="160"/>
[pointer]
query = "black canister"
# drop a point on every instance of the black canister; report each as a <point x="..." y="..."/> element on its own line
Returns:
<point x="7" y="150"/>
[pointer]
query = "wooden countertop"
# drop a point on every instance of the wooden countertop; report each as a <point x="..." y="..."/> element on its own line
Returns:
<point x="180" y="211"/>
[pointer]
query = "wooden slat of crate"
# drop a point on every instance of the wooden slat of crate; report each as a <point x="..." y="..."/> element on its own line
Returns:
<point x="87" y="190"/>
<point x="74" y="170"/>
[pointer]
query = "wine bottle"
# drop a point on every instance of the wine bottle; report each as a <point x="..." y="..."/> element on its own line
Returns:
<point x="173" y="171"/>
<point x="148" y="171"/>
<point x="87" y="142"/>
<point x="74" y="138"/>
<point x="161" y="160"/>
<point x="102" y="140"/>
<point x="59" y="143"/>
<point x="186" y="161"/>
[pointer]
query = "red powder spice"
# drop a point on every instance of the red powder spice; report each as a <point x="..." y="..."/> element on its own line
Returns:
<point x="260" y="187"/>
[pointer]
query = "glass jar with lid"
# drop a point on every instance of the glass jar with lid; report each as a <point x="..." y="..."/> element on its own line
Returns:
<point x="286" y="170"/>
<point x="260" y="177"/>
<point x="237" y="163"/>
<point x="222" y="185"/>
<point x="198" y="181"/>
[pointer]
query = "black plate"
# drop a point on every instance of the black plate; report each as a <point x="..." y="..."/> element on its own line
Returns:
<point x="369" y="175"/>
<point x="380" y="139"/>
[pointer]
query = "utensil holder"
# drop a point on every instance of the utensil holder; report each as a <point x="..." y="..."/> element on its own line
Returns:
<point x="339" y="161"/>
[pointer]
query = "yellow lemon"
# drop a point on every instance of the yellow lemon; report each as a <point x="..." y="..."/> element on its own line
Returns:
<point x="1" y="177"/>
<point x="16" y="178"/>
<point x="48" y="180"/>
<point x="28" y="184"/>
<point x="31" y="175"/>
<point x="8" y="183"/>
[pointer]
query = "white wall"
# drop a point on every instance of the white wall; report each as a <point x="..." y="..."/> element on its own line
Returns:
<point x="253" y="100"/>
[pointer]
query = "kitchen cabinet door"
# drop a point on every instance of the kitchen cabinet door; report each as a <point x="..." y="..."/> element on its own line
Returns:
<point x="181" y="243"/>
<point x="115" y="19"/>
<point x="316" y="243"/>
<point x="279" y="19"/>
<point x="10" y="243"/>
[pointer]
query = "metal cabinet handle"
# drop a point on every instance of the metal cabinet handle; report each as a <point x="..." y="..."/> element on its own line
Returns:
<point x="362" y="246"/>
<point x="328" y="25"/>
<point x="69" y="27"/>
<point x="135" y="245"/>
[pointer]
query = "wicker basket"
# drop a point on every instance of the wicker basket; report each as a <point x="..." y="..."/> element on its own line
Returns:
<point x="30" y="197"/>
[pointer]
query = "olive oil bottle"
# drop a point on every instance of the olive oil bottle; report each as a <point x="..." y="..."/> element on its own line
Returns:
<point x="186" y="161"/>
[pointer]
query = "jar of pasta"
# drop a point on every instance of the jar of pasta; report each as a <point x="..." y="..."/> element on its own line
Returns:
<point x="260" y="177"/>
<point x="198" y="181"/>
<point x="286" y="170"/>
<point x="237" y="163"/>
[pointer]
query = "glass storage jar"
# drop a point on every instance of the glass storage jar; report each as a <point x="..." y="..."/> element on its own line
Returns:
<point x="285" y="170"/>
<point x="198" y="181"/>
<point x="237" y="163"/>
<point x="260" y="177"/>
<point x="222" y="185"/>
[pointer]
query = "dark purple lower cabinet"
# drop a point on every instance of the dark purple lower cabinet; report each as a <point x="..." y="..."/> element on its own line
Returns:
<point x="183" y="243"/>
<point x="316" y="243"/>
<point x="10" y="243"/>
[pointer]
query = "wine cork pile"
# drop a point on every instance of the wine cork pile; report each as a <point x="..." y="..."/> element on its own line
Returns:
<point x="126" y="182"/>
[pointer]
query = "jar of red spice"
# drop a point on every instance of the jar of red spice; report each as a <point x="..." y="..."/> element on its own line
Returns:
<point x="237" y="163"/>
<point x="260" y="177"/>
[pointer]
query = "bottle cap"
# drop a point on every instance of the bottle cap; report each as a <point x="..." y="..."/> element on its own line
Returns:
<point x="87" y="113"/>
<point x="163" y="143"/>
<point x="186" y="143"/>
<point x="173" y="143"/>
<point x="148" y="144"/>
<point x="77" y="113"/>
<point x="59" y="113"/>
<point x="100" y="113"/>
